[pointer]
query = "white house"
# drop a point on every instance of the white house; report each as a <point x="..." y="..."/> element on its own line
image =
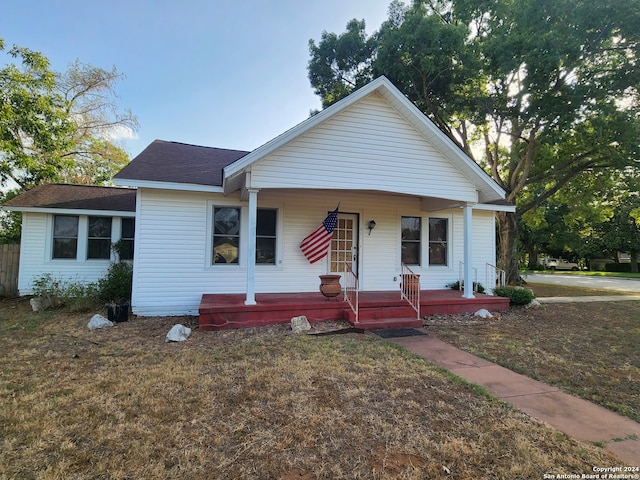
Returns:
<point x="68" y="230"/>
<point x="220" y="221"/>
<point x="211" y="220"/>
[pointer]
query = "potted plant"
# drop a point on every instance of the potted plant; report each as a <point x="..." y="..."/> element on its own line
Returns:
<point x="115" y="290"/>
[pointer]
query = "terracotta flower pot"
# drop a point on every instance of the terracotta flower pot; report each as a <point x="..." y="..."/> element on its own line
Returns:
<point x="330" y="285"/>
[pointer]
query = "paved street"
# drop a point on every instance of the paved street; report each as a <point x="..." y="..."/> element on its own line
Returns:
<point x="607" y="283"/>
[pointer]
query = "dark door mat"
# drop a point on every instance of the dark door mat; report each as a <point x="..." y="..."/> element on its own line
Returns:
<point x="398" y="332"/>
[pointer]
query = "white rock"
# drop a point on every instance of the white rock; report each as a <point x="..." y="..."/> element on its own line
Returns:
<point x="483" y="313"/>
<point x="300" y="324"/>
<point x="533" y="304"/>
<point x="39" y="303"/>
<point x="98" y="321"/>
<point x="178" y="333"/>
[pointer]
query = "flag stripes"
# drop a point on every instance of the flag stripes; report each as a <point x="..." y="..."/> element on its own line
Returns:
<point x="316" y="245"/>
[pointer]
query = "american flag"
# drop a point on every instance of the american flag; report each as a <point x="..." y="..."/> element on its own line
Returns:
<point x="316" y="245"/>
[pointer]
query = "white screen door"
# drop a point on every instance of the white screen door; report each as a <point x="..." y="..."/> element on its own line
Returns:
<point x="344" y="244"/>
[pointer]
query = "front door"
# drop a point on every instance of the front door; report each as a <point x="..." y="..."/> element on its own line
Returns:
<point x="344" y="244"/>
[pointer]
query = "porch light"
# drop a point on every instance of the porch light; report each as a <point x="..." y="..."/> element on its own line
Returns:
<point x="372" y="225"/>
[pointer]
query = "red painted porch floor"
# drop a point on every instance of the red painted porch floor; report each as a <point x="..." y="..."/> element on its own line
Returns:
<point x="377" y="310"/>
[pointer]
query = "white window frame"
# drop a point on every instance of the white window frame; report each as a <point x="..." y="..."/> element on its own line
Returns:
<point x="83" y="237"/>
<point x="244" y="228"/>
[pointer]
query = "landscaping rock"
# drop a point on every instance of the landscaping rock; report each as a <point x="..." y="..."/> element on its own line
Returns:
<point x="178" y="333"/>
<point x="98" y="321"/>
<point x="300" y="324"/>
<point x="533" y="304"/>
<point x="39" y="303"/>
<point x="483" y="313"/>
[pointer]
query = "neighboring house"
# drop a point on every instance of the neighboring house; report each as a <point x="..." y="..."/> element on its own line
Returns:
<point x="211" y="220"/>
<point x="68" y="230"/>
<point x="216" y="221"/>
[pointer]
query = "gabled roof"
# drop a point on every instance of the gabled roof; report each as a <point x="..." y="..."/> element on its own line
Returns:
<point x="173" y="162"/>
<point x="488" y="189"/>
<point x="74" y="197"/>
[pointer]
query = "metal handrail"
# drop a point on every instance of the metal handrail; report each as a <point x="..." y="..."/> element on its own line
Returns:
<point x="351" y="289"/>
<point x="410" y="288"/>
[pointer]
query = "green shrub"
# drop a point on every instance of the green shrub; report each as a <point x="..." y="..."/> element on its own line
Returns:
<point x="516" y="295"/>
<point x="58" y="292"/>
<point x="115" y="286"/>
<point x="618" y="267"/>
<point x="477" y="286"/>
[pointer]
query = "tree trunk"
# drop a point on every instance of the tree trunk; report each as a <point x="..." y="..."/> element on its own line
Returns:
<point x="634" y="262"/>
<point x="508" y="247"/>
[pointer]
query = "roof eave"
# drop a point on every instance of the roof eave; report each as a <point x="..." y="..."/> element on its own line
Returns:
<point x="186" y="187"/>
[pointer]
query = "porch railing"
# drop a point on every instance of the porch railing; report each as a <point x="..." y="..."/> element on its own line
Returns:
<point x="496" y="277"/>
<point x="410" y="288"/>
<point x="461" y="278"/>
<point x="351" y="289"/>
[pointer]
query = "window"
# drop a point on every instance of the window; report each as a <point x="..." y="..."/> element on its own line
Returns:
<point x="226" y="234"/>
<point x="266" y="236"/>
<point x="411" y="242"/>
<point x="126" y="238"/>
<point x="99" y="244"/>
<point x="65" y="236"/>
<point x="438" y="241"/>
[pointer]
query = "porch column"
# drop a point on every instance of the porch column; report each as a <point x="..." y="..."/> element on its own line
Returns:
<point x="467" y="220"/>
<point x="251" y="247"/>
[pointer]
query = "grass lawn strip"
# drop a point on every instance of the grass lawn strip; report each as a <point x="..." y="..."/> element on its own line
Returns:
<point x="256" y="403"/>
<point x="587" y="349"/>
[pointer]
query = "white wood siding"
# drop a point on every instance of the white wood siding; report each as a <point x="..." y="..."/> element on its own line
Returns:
<point x="173" y="264"/>
<point x="35" y="256"/>
<point x="369" y="146"/>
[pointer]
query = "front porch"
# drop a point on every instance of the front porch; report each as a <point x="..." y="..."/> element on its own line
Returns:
<point x="377" y="310"/>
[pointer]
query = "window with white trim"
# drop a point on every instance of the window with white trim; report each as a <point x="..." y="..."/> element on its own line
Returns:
<point x="127" y="236"/>
<point x="411" y="235"/>
<point x="266" y="238"/>
<point x="226" y="235"/>
<point x="65" y="236"/>
<point x="99" y="238"/>
<point x="438" y="241"/>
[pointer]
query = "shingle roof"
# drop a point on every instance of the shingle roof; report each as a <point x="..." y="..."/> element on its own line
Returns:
<point x="175" y="162"/>
<point x="76" y="197"/>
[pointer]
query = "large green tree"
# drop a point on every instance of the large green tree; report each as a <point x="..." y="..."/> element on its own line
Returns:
<point x="58" y="126"/>
<point x="536" y="91"/>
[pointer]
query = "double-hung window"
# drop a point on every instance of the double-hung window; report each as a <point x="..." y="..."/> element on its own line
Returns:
<point x="127" y="238"/>
<point x="99" y="242"/>
<point x="438" y="244"/>
<point x="266" y="236"/>
<point x="411" y="240"/>
<point x="226" y="235"/>
<point x="65" y="236"/>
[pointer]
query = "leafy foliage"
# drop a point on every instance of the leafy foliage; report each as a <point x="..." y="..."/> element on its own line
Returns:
<point x="58" y="126"/>
<point x="115" y="286"/>
<point x="545" y="90"/>
<point x="516" y="295"/>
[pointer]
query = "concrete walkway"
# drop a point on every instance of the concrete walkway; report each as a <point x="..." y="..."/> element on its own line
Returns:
<point x="589" y="298"/>
<point x="576" y="417"/>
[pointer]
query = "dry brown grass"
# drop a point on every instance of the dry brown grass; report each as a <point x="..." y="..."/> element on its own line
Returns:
<point x="587" y="349"/>
<point x="256" y="404"/>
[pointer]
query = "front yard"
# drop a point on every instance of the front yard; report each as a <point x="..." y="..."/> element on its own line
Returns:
<point x="587" y="349"/>
<point x="256" y="404"/>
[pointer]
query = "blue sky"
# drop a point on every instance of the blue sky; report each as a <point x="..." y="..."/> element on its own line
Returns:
<point x="220" y="73"/>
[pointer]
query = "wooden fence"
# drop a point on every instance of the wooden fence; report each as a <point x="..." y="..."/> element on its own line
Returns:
<point x="9" y="262"/>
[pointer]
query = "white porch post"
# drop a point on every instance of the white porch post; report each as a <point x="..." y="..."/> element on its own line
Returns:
<point x="251" y="247"/>
<point x="467" y="220"/>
